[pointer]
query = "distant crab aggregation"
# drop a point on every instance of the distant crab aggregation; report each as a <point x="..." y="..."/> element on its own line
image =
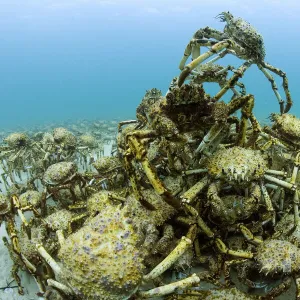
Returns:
<point x="129" y="210"/>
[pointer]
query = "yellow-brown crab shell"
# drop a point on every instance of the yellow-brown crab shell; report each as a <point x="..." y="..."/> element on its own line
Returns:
<point x="237" y="165"/>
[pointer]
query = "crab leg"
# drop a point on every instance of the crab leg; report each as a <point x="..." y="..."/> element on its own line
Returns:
<point x="15" y="267"/>
<point x="184" y="244"/>
<point x="170" y="288"/>
<point x="271" y="141"/>
<point x="60" y="286"/>
<point x="49" y="260"/>
<point x="60" y="236"/>
<point x="192" y="172"/>
<point x="234" y="79"/>
<point x="202" y="225"/>
<point x="133" y="180"/>
<point x="278" y="196"/>
<point x="180" y="249"/>
<point x="209" y="138"/>
<point x="276" y="172"/>
<point x="267" y="198"/>
<point x="296" y="168"/>
<point x="140" y="153"/>
<point x="223" y="249"/>
<point x="297" y="281"/>
<point x="212" y="194"/>
<point x="11" y="231"/>
<point x="193" y="46"/>
<point x="189" y="196"/>
<point x="296" y="208"/>
<point x="249" y="235"/>
<point x="274" y="87"/>
<point x="285" y="84"/>
<point x="75" y="219"/>
<point x="247" y="104"/>
<point x="17" y="205"/>
<point x="164" y="241"/>
<point x="125" y="123"/>
<point x="191" y="66"/>
<point x="280" y="182"/>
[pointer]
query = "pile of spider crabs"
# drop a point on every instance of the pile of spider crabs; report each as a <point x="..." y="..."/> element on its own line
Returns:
<point x="199" y="201"/>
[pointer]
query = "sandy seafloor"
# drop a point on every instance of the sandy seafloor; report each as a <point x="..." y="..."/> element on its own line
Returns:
<point x="29" y="284"/>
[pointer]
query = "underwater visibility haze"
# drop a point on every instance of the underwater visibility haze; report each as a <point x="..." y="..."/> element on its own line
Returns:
<point x="149" y="149"/>
<point x="94" y="59"/>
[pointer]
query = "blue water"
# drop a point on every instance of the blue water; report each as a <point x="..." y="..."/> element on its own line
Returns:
<point x="70" y="59"/>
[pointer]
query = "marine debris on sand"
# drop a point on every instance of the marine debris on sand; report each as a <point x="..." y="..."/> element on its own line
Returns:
<point x="186" y="195"/>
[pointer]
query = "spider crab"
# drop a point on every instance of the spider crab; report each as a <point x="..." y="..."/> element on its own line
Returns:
<point x="240" y="39"/>
<point x="102" y="261"/>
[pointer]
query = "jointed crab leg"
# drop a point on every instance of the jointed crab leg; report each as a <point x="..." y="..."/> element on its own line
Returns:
<point x="191" y="66"/>
<point x="15" y="267"/>
<point x="193" y="172"/>
<point x="193" y="47"/>
<point x="296" y="208"/>
<point x="234" y="79"/>
<point x="223" y="249"/>
<point x="17" y="205"/>
<point x="49" y="260"/>
<point x="210" y="137"/>
<point x="133" y="180"/>
<point x="170" y="288"/>
<point x="184" y="244"/>
<point x="189" y="196"/>
<point x="139" y="151"/>
<point x="60" y="236"/>
<point x="274" y="87"/>
<point x="181" y="248"/>
<point x="296" y="168"/>
<point x="267" y="198"/>
<point x="199" y="220"/>
<point x="60" y="287"/>
<point x="125" y="123"/>
<point x="249" y="235"/>
<point x="11" y="231"/>
<point x="280" y="182"/>
<point x="271" y="141"/>
<point x="247" y="104"/>
<point x="285" y="84"/>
